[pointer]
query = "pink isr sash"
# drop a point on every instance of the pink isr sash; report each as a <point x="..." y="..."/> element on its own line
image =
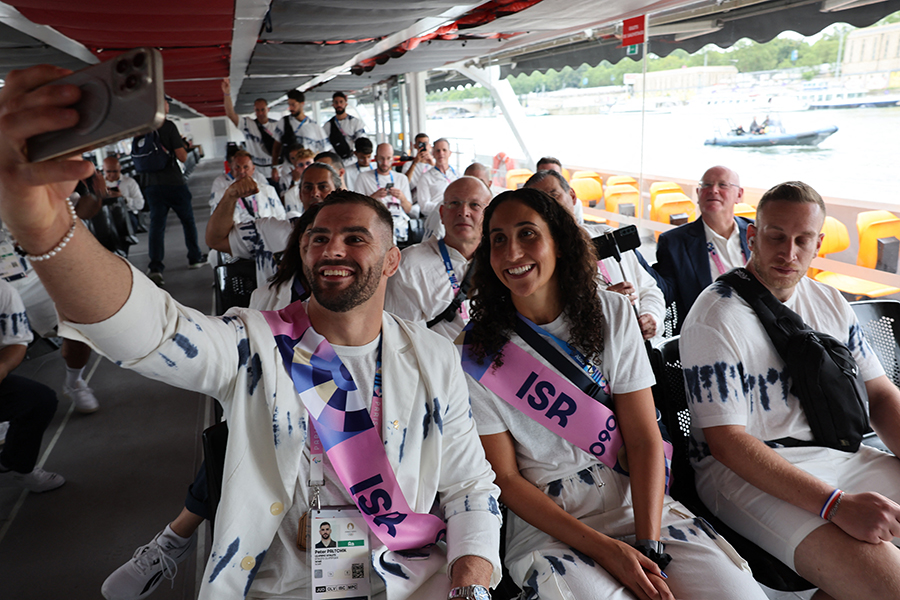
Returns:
<point x="550" y="399"/>
<point x="348" y="436"/>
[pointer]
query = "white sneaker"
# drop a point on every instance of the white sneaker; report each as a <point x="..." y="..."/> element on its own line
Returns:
<point x="4" y="427"/>
<point x="141" y="575"/>
<point x="82" y="396"/>
<point x="39" y="480"/>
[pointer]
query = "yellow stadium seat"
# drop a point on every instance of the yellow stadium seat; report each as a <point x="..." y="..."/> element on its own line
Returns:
<point x="742" y="209"/>
<point x="869" y="236"/>
<point x="621" y="180"/>
<point x="588" y="191"/>
<point x="516" y="178"/>
<point x="587" y="175"/>
<point x="618" y="195"/>
<point x="866" y="218"/>
<point x="837" y="239"/>
<point x="662" y="187"/>
<point x="672" y="203"/>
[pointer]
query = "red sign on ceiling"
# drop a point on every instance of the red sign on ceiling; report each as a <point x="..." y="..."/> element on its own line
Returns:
<point x="633" y="31"/>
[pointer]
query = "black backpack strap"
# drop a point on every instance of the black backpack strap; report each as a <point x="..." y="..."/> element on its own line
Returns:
<point x="338" y="140"/>
<point x="267" y="139"/>
<point x="449" y="313"/>
<point x="778" y="320"/>
<point x="562" y="364"/>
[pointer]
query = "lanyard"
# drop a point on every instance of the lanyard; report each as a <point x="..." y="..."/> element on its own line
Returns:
<point x="376" y="178"/>
<point x="604" y="272"/>
<point x="720" y="266"/>
<point x="316" y="472"/>
<point x="451" y="273"/>
<point x="444" y="175"/>
<point x="300" y="126"/>
<point x="592" y="371"/>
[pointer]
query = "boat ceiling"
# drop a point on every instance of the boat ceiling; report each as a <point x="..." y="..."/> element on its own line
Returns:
<point x="271" y="46"/>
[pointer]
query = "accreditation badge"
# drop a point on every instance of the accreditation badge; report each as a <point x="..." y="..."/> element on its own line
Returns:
<point x="10" y="262"/>
<point x="339" y="553"/>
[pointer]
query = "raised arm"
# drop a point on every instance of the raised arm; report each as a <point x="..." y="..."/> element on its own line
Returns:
<point x="87" y="283"/>
<point x="229" y="104"/>
<point x="221" y="221"/>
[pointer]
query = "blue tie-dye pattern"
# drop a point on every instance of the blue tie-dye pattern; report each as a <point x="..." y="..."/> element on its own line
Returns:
<point x="583" y="557"/>
<point x="4" y="320"/>
<point x="556" y="564"/>
<point x="857" y="340"/>
<point x="676" y="534"/>
<point x="585" y="476"/>
<point x="438" y="420"/>
<point x="393" y="568"/>
<point x="290" y="425"/>
<point x="763" y="393"/>
<point x="466" y="503"/>
<point x="223" y="561"/>
<point x="692" y="381"/>
<point x="255" y="373"/>
<point x="190" y="350"/>
<point x="723" y="289"/>
<point x="169" y="362"/>
<point x="554" y="488"/>
<point x="706" y="373"/>
<point x="275" y="427"/>
<point x="698" y="450"/>
<point x="426" y="421"/>
<point x="375" y="568"/>
<point x="493" y="506"/>
<point x="531" y="591"/>
<point x="228" y="320"/>
<point x="706" y="528"/>
<point x="252" y="574"/>
<point x="720" y="370"/>
<point x="118" y="363"/>
<point x="402" y="445"/>
<point x="243" y="349"/>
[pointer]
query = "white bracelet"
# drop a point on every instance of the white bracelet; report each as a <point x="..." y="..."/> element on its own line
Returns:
<point x="62" y="244"/>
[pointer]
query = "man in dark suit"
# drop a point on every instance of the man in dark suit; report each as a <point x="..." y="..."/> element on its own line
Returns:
<point x="690" y="257"/>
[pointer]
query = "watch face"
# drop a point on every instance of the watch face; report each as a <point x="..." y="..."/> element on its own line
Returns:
<point x="480" y="593"/>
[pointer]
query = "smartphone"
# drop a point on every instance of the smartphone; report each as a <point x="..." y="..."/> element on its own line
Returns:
<point x="420" y="145"/>
<point x="627" y="238"/>
<point x="389" y="185"/>
<point x="614" y="243"/>
<point x="120" y="98"/>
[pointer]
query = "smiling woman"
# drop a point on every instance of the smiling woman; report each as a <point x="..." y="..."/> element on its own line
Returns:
<point x="575" y="446"/>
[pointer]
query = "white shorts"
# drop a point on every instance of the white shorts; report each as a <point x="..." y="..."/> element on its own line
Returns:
<point x="704" y="566"/>
<point x="777" y="526"/>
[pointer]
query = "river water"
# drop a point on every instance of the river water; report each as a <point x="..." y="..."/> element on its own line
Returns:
<point x="861" y="161"/>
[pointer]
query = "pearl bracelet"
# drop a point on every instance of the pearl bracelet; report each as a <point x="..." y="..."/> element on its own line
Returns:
<point x="62" y="244"/>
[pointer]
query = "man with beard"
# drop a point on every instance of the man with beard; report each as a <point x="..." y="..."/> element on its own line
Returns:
<point x="424" y="454"/>
<point x="264" y="238"/>
<point x="343" y="129"/>
<point x="434" y="272"/>
<point x="829" y="514"/>
<point x="325" y="534"/>
<point x="297" y="128"/>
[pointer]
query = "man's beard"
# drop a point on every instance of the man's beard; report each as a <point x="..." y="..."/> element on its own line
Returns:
<point x="339" y="111"/>
<point x="296" y="114"/>
<point x="363" y="287"/>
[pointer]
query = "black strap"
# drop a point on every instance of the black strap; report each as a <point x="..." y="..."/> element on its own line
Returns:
<point x="562" y="364"/>
<point x="778" y="320"/>
<point x="338" y="141"/>
<point x="249" y="207"/>
<point x="449" y="313"/>
<point x="267" y="140"/>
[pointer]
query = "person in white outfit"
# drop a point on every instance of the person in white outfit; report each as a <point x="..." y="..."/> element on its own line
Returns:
<point x="425" y="455"/>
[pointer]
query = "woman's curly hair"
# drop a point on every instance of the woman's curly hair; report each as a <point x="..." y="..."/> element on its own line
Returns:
<point x="493" y="313"/>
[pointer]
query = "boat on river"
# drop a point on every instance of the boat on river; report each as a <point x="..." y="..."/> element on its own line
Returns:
<point x="771" y="133"/>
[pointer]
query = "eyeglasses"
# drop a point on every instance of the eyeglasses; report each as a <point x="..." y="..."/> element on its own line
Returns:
<point x="112" y="171"/>
<point x="475" y="207"/>
<point x="722" y="185"/>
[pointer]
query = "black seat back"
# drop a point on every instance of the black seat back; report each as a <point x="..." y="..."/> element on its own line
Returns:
<point x="235" y="283"/>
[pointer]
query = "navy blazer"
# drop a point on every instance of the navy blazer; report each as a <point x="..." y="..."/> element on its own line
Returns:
<point x="682" y="264"/>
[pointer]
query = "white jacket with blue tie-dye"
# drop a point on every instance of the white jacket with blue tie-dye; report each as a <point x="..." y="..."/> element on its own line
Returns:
<point x="234" y="358"/>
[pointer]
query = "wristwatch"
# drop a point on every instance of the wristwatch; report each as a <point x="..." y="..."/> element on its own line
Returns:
<point x="470" y="592"/>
